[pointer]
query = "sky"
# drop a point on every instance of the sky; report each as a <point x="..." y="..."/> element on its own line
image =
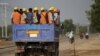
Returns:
<point x="70" y="9"/>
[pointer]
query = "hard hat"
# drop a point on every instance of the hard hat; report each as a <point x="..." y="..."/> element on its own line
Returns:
<point x="24" y="9"/>
<point x="35" y="8"/>
<point x="42" y="9"/>
<point x="15" y="8"/>
<point x="51" y="8"/>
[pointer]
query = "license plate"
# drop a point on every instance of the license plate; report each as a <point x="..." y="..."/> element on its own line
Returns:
<point x="33" y="33"/>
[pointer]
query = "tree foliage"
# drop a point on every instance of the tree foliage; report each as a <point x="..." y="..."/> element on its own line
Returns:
<point x="94" y="15"/>
<point x="82" y="29"/>
<point x="67" y="25"/>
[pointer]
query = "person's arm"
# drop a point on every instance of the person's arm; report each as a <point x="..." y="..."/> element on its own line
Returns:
<point x="50" y="16"/>
<point x="12" y="18"/>
<point x="56" y="15"/>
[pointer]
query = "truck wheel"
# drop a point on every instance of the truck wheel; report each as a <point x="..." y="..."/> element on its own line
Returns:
<point x="24" y="54"/>
<point x="17" y="54"/>
<point x="56" y="53"/>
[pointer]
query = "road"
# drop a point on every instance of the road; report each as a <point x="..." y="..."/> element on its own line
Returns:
<point x="7" y="51"/>
<point x="83" y="47"/>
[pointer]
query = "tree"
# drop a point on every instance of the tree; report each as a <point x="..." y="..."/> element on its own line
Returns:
<point x="82" y="29"/>
<point x="67" y="25"/>
<point x="94" y="15"/>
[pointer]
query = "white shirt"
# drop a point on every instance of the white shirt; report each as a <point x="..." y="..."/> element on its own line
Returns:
<point x="51" y="18"/>
<point x="70" y="35"/>
<point x="87" y="34"/>
<point x="55" y="16"/>
<point x="24" y="15"/>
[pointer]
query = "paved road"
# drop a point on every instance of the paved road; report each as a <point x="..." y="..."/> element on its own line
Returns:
<point x="83" y="47"/>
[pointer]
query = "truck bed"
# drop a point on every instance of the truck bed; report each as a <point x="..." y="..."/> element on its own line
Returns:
<point x="33" y="33"/>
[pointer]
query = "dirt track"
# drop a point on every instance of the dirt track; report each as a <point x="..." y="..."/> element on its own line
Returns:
<point x="83" y="47"/>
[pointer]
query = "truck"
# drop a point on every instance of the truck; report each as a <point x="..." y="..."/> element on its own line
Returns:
<point x="37" y="39"/>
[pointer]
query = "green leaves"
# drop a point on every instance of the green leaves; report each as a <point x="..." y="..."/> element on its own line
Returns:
<point x="67" y="25"/>
<point x="94" y="15"/>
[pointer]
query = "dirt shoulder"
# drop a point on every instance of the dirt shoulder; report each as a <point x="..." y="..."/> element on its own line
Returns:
<point x="5" y="44"/>
<point x="83" y="47"/>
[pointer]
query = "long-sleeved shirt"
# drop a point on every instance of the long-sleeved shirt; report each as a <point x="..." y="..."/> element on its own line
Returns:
<point x="50" y="17"/>
<point x="55" y="16"/>
<point x="30" y="15"/>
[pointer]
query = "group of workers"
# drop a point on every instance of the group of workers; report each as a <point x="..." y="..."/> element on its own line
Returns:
<point x="71" y="36"/>
<point x="34" y="16"/>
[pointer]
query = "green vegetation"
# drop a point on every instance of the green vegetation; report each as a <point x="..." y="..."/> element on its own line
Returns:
<point x="9" y="28"/>
<point x="83" y="29"/>
<point x="94" y="15"/>
<point x="67" y="26"/>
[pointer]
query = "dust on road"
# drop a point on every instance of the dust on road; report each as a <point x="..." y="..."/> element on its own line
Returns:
<point x="83" y="47"/>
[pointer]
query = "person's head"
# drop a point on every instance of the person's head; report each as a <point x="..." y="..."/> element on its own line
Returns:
<point x="24" y="10"/>
<point x="55" y="10"/>
<point x="15" y="9"/>
<point x="35" y="9"/>
<point x="30" y="9"/>
<point x="27" y="11"/>
<point x="43" y="10"/>
<point x="58" y="11"/>
<point x="20" y="11"/>
<point x="51" y="9"/>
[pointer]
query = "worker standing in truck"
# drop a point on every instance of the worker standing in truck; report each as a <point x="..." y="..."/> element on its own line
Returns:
<point x="58" y="12"/>
<point x="20" y="11"/>
<point x="43" y="16"/>
<point x="16" y="16"/>
<point x="30" y="16"/>
<point x="50" y="15"/>
<point x="56" y="17"/>
<point x="27" y="11"/>
<point x="23" y="16"/>
<point x="36" y="17"/>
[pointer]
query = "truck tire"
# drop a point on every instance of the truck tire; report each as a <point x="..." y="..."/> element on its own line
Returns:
<point x="17" y="54"/>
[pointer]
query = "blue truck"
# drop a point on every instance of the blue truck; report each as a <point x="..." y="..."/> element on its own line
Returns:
<point x="37" y="39"/>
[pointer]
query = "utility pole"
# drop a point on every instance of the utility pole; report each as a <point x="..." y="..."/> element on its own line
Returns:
<point x="77" y="29"/>
<point x="88" y="28"/>
<point x="4" y="5"/>
<point x="2" y="22"/>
